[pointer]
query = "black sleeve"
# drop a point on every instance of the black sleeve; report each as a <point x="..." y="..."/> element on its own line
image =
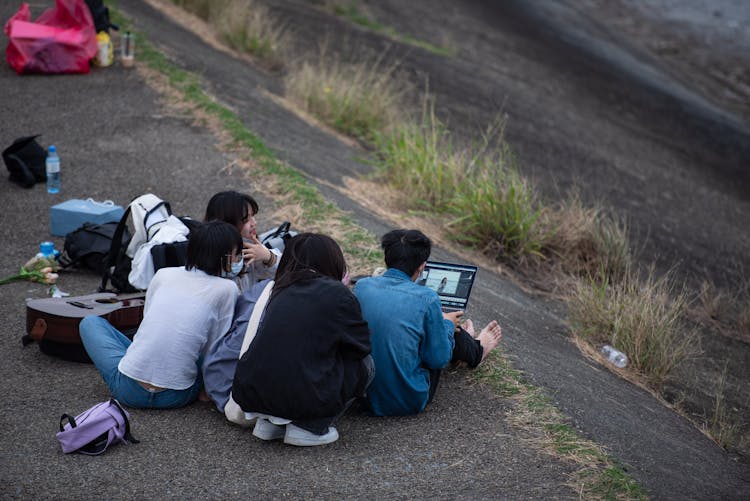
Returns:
<point x="354" y="334"/>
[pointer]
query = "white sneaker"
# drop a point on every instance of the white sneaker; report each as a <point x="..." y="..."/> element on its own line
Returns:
<point x="298" y="436"/>
<point x="266" y="430"/>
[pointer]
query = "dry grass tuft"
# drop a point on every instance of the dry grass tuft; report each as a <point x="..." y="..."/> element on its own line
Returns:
<point x="246" y="26"/>
<point x="726" y="313"/>
<point x="587" y="241"/>
<point x="723" y="427"/>
<point x="713" y="304"/>
<point x="360" y="99"/>
<point x="642" y="317"/>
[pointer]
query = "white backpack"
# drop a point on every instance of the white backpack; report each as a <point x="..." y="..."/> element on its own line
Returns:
<point x="153" y="224"/>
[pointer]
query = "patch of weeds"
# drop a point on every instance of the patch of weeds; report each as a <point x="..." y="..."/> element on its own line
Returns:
<point x="587" y="241"/>
<point x="597" y="475"/>
<point x="245" y="25"/>
<point x="249" y="27"/>
<point x="201" y="8"/>
<point x="359" y="99"/>
<point x="491" y="205"/>
<point x="613" y="483"/>
<point x="643" y="317"/>
<point x="419" y="158"/>
<point x="499" y="209"/>
<point x="352" y="12"/>
<point x="723" y="427"/>
<point x="499" y="375"/>
<point x="727" y="313"/>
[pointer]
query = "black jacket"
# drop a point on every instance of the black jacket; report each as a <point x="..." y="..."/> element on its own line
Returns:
<point x="305" y="359"/>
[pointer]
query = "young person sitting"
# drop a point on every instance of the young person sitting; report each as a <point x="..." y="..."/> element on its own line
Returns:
<point x="186" y="310"/>
<point x="221" y="360"/>
<point x="310" y="357"/>
<point x="239" y="210"/>
<point x="412" y="339"/>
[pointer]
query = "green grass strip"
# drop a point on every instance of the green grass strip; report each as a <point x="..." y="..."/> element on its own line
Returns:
<point x="599" y="476"/>
<point x="352" y="13"/>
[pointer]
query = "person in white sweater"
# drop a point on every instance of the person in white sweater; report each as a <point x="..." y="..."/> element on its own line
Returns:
<point x="186" y="310"/>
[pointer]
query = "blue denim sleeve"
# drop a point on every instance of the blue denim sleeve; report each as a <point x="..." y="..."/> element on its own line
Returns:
<point x="437" y="347"/>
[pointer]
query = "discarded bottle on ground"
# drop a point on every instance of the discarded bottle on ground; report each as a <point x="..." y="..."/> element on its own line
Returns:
<point x="47" y="250"/>
<point x="53" y="170"/>
<point x="616" y="357"/>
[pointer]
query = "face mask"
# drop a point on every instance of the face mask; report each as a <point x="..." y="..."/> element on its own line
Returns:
<point x="236" y="269"/>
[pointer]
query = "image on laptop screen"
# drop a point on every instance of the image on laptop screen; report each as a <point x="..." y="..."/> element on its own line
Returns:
<point x="452" y="282"/>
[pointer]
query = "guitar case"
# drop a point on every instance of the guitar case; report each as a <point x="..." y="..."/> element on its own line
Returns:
<point x="53" y="322"/>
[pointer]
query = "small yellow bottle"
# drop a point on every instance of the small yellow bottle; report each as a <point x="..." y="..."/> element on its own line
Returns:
<point x="105" y="54"/>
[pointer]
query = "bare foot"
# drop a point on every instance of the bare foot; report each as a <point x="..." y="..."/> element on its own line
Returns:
<point x="489" y="337"/>
<point x="203" y="396"/>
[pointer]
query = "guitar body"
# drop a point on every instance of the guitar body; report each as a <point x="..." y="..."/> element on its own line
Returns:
<point x="53" y="322"/>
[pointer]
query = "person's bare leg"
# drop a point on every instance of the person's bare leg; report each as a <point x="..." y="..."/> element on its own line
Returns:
<point x="489" y="337"/>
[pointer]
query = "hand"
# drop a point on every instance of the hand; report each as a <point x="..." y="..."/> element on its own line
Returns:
<point x="455" y="317"/>
<point x="255" y="250"/>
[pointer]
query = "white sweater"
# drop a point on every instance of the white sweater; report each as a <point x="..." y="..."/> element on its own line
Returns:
<point x="184" y="314"/>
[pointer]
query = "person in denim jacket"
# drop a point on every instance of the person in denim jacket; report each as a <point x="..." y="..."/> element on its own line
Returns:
<point x="412" y="339"/>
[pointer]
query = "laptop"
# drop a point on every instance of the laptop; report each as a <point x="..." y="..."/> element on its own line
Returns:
<point x="452" y="282"/>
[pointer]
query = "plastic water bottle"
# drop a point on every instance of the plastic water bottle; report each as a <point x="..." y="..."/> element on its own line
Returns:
<point x="616" y="357"/>
<point x="47" y="249"/>
<point x="53" y="170"/>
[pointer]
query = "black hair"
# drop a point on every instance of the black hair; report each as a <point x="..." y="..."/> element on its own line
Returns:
<point x="231" y="207"/>
<point x="309" y="255"/>
<point x="406" y="250"/>
<point x="208" y="245"/>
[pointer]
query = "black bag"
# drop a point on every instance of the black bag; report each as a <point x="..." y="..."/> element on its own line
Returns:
<point x="100" y="14"/>
<point x="276" y="238"/>
<point x="25" y="160"/>
<point x="89" y="245"/>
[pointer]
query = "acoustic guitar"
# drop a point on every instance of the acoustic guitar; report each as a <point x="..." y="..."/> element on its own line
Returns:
<point x="53" y="322"/>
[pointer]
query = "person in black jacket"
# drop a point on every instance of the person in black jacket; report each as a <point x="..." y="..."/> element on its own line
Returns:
<point x="311" y="355"/>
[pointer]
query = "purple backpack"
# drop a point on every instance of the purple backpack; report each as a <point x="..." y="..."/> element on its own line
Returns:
<point x="92" y="431"/>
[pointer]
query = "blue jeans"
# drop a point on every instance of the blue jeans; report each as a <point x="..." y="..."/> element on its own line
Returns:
<point x="106" y="346"/>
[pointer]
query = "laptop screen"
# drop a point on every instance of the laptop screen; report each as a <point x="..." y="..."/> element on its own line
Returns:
<point x="452" y="282"/>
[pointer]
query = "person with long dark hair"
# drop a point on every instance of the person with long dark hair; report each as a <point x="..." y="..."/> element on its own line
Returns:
<point x="239" y="210"/>
<point x="186" y="310"/>
<point x="310" y="357"/>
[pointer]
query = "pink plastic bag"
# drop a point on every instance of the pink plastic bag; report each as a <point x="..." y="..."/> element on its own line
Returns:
<point x="62" y="40"/>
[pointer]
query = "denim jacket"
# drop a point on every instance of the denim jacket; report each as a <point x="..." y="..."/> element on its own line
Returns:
<point x="409" y="336"/>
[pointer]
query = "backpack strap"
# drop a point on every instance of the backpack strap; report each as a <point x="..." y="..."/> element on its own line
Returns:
<point x="70" y="419"/>
<point x="128" y="436"/>
<point x="281" y="230"/>
<point x="114" y="249"/>
<point x="153" y="209"/>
